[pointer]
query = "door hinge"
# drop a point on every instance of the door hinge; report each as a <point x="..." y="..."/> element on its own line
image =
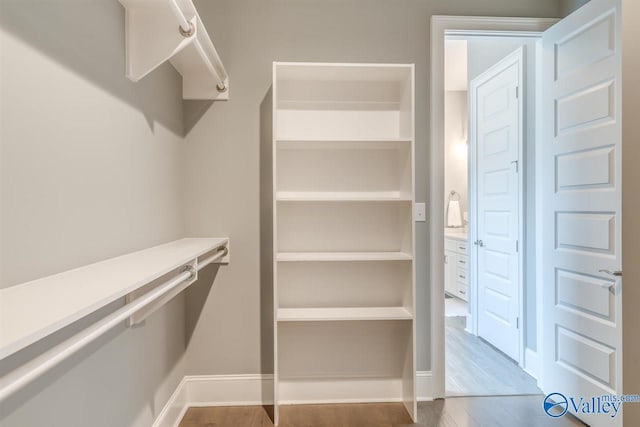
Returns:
<point x="517" y="92"/>
<point x="517" y="323"/>
<point x="516" y="163"/>
<point x="517" y="245"/>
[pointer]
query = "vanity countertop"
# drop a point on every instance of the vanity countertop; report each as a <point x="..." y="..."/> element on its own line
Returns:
<point x="455" y="233"/>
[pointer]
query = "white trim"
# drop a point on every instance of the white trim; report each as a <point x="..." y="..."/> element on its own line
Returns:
<point x="175" y="408"/>
<point x="424" y="386"/>
<point x="215" y="390"/>
<point x="531" y="363"/>
<point x="539" y="160"/>
<point x="440" y="26"/>
<point x="247" y="390"/>
<point x="229" y="390"/>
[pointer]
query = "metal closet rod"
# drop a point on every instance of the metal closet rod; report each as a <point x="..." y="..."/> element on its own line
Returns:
<point x="185" y="26"/>
<point x="27" y="373"/>
<point x="187" y="29"/>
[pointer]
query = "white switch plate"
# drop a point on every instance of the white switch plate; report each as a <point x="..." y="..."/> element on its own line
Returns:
<point x="421" y="212"/>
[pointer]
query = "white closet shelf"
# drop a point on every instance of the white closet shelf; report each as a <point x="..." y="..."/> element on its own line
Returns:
<point x="348" y="196"/>
<point x="36" y="309"/>
<point x="171" y="30"/>
<point x="290" y="143"/>
<point x="294" y="104"/>
<point x="314" y="314"/>
<point x="342" y="256"/>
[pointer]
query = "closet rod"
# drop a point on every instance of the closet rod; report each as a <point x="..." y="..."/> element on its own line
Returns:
<point x="187" y="29"/>
<point x="25" y="374"/>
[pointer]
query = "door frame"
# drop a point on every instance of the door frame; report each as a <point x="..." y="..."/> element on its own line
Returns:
<point x="499" y="66"/>
<point x="441" y="27"/>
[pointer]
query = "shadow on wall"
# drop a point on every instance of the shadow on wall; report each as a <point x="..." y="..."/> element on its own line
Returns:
<point x="122" y="351"/>
<point x="266" y="242"/>
<point x="88" y="38"/>
<point x="193" y="110"/>
<point x="197" y="295"/>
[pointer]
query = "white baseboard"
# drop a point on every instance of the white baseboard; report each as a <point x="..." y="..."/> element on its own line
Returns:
<point x="241" y="390"/>
<point x="174" y="409"/>
<point x="424" y="386"/>
<point x="215" y="390"/>
<point x="531" y="363"/>
<point x="230" y="390"/>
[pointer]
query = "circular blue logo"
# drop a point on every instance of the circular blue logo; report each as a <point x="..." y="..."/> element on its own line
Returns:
<point x="555" y="405"/>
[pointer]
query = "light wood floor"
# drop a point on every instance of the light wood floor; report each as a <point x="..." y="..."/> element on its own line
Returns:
<point x="475" y="368"/>
<point x="503" y="411"/>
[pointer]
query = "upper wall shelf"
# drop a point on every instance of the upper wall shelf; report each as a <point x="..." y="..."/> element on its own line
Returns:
<point x="171" y="30"/>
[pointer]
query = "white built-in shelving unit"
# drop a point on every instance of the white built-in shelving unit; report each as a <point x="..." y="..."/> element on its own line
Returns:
<point x="343" y="196"/>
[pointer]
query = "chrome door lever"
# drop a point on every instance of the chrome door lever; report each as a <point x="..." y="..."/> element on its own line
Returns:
<point x="479" y="243"/>
<point x="617" y="273"/>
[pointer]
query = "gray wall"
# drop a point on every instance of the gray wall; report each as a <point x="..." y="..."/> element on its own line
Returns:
<point x="222" y="154"/>
<point x="482" y="54"/>
<point x="569" y="6"/>
<point x="455" y="147"/>
<point x="89" y="168"/>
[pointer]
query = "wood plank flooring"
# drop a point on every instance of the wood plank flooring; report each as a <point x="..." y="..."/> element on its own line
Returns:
<point x="475" y="368"/>
<point x="494" y="411"/>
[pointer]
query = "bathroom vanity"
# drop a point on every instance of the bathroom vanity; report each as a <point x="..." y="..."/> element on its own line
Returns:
<point x="456" y="261"/>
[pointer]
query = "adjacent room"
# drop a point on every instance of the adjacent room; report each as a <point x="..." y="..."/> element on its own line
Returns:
<point x="485" y="358"/>
<point x="319" y="213"/>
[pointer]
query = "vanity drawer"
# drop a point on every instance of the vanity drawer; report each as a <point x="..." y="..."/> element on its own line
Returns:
<point x="462" y="261"/>
<point x="462" y="276"/>
<point x="463" y="292"/>
<point x="461" y="247"/>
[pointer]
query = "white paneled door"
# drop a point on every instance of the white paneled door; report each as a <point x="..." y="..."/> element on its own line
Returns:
<point x="582" y="288"/>
<point x="497" y="131"/>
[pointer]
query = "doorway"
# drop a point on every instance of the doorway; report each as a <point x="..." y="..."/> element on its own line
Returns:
<point x="486" y="128"/>
<point x="577" y="239"/>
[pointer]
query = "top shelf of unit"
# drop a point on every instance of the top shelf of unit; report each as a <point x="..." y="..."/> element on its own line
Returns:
<point x="321" y="88"/>
<point x="36" y="309"/>
<point x="346" y="72"/>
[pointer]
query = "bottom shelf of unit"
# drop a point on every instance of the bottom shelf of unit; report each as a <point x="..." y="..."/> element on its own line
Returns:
<point x="293" y="391"/>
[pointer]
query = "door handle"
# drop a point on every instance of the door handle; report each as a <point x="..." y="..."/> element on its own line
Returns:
<point x="479" y="243"/>
<point x="616" y="273"/>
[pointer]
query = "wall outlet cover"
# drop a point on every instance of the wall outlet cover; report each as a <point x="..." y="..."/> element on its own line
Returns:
<point x="421" y="212"/>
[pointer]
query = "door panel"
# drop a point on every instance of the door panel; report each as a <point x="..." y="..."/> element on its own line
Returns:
<point x="497" y="135"/>
<point x="582" y="206"/>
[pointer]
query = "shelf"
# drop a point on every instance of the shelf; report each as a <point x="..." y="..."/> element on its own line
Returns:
<point x="335" y="71"/>
<point x="340" y="196"/>
<point x="36" y="309"/>
<point x="342" y="256"/>
<point x="342" y="314"/>
<point x="153" y="36"/>
<point x="342" y="143"/>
